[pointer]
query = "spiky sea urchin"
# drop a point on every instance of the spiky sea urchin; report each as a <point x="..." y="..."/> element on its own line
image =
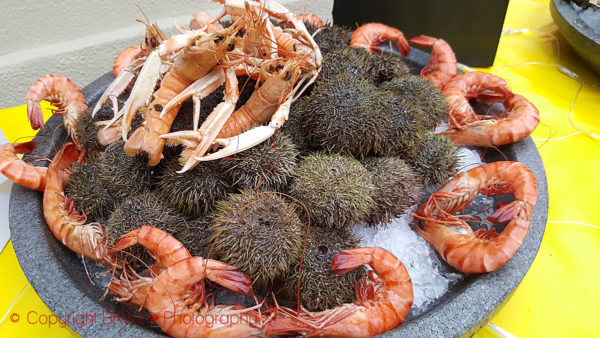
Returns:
<point x="320" y="288"/>
<point x="195" y="191"/>
<point x="436" y="159"/>
<point x="336" y="189"/>
<point x="270" y="164"/>
<point x="407" y="126"/>
<point x="333" y="38"/>
<point x="259" y="233"/>
<point x="397" y="187"/>
<point x="386" y="67"/>
<point x="147" y="208"/>
<point x="194" y="235"/>
<point x="351" y="62"/>
<point x="124" y="175"/>
<point x="293" y="126"/>
<point x="346" y="115"/>
<point x="88" y="191"/>
<point x="421" y="93"/>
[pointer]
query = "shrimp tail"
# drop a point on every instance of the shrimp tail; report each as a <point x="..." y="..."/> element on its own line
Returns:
<point x="125" y="241"/>
<point x="350" y="259"/>
<point x="35" y="115"/>
<point x="506" y="212"/>
<point x="68" y="154"/>
<point x="24" y="148"/>
<point x="236" y="281"/>
<point x="423" y="40"/>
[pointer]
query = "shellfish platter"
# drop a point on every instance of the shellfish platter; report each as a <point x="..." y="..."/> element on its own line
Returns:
<point x="292" y="177"/>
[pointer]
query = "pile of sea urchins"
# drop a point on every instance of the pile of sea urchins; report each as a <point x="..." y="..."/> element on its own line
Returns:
<point x="358" y="147"/>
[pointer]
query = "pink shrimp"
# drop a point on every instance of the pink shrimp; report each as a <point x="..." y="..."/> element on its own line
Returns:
<point x="442" y="64"/>
<point x="19" y="171"/>
<point x="179" y="308"/>
<point x="382" y="304"/>
<point x="471" y="85"/>
<point x="481" y="250"/>
<point x="167" y="250"/>
<point x="517" y="122"/>
<point x="370" y="35"/>
<point x="63" y="94"/>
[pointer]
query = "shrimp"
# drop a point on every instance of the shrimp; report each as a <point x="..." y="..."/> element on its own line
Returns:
<point x="483" y="250"/>
<point x="517" y="122"/>
<point x="442" y="64"/>
<point x="63" y="94"/>
<point x="382" y="303"/>
<point x="202" y="19"/>
<point x="19" y="171"/>
<point x="163" y="246"/>
<point x="178" y="306"/>
<point x="471" y="85"/>
<point x="67" y="225"/>
<point x="311" y="19"/>
<point x="370" y="35"/>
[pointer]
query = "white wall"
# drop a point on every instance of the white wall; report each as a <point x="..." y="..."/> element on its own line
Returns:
<point x="80" y="39"/>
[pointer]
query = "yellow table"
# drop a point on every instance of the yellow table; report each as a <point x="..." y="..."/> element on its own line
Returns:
<point x="558" y="296"/>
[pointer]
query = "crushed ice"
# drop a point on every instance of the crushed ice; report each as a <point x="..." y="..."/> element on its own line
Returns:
<point x="430" y="276"/>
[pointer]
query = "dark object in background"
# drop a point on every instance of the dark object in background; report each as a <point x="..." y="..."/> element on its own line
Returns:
<point x="584" y="39"/>
<point x="585" y="3"/>
<point x="471" y="27"/>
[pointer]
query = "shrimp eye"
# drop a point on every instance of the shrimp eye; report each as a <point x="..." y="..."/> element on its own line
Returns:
<point x="288" y="75"/>
<point x="219" y="38"/>
<point x="146" y="41"/>
<point x="279" y="68"/>
<point x="153" y="42"/>
<point x="230" y="47"/>
<point x="239" y="34"/>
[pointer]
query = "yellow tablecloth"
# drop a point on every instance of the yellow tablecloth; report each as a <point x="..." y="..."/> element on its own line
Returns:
<point x="559" y="294"/>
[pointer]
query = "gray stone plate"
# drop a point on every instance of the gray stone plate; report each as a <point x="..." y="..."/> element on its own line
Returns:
<point x="59" y="278"/>
<point x="584" y="38"/>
